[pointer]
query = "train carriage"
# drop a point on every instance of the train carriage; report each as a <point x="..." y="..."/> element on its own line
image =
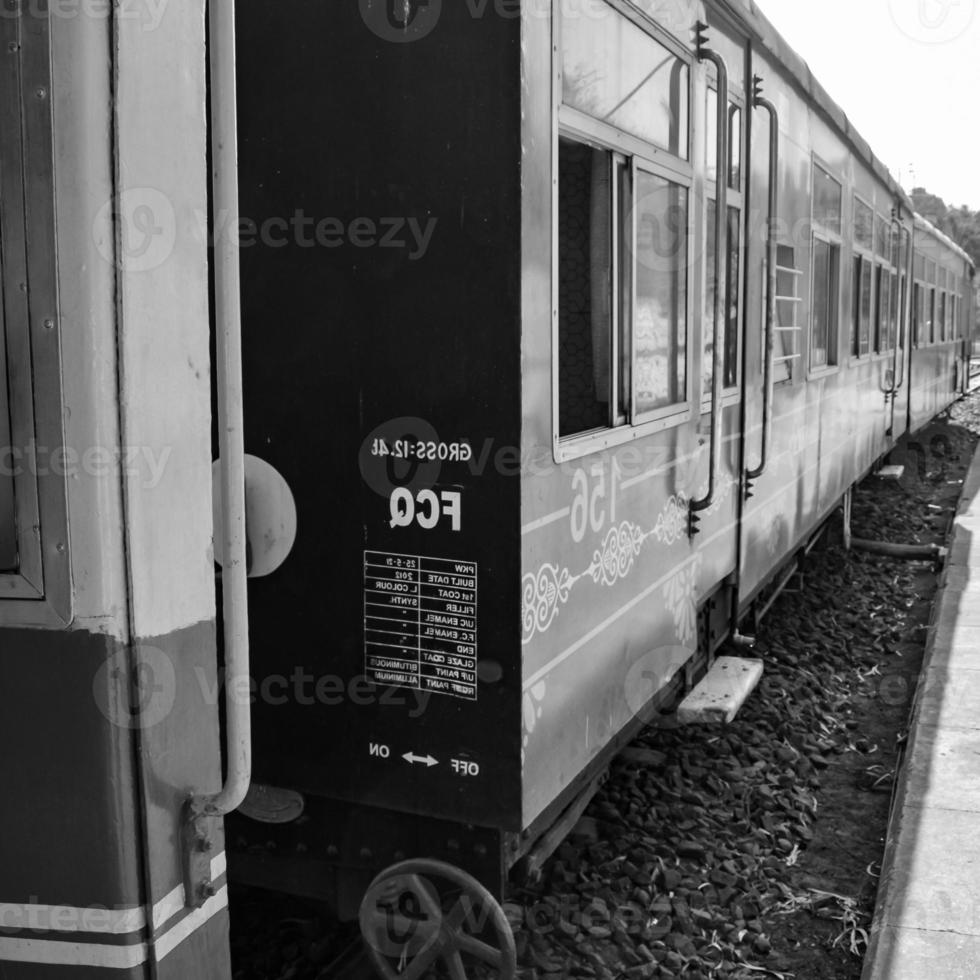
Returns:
<point x="565" y="325"/>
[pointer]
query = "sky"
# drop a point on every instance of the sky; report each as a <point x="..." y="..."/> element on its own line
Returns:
<point x="907" y="74"/>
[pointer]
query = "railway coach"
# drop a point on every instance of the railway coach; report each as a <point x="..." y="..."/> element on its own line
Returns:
<point x="561" y="329"/>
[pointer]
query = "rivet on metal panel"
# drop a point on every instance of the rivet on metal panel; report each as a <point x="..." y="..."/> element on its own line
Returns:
<point x="332" y="851"/>
<point x="13" y="47"/>
<point x="49" y="324"/>
<point x="41" y="92"/>
<point x="366" y="854"/>
<point x="60" y="547"/>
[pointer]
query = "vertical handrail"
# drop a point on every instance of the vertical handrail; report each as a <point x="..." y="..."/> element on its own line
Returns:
<point x="907" y="295"/>
<point x="769" y="380"/>
<point x="231" y="442"/>
<point x="721" y="274"/>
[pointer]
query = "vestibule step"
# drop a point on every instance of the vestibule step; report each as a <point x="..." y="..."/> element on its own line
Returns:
<point x="722" y="692"/>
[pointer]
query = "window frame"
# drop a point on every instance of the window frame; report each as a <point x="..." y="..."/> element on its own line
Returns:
<point x="735" y="200"/>
<point x="574" y="124"/>
<point x="866" y="255"/>
<point x="835" y="240"/>
<point x="39" y="592"/>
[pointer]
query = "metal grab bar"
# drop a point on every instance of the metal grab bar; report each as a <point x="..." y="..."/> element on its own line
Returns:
<point x="769" y="375"/>
<point x="231" y="443"/>
<point x="721" y="275"/>
<point x="906" y="298"/>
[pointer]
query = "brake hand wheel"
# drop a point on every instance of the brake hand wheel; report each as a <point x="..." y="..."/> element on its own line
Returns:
<point x="407" y="932"/>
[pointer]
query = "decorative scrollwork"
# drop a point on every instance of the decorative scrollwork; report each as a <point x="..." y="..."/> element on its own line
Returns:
<point x="615" y="560"/>
<point x="680" y="596"/>
<point x="671" y="525"/>
<point x="543" y="596"/>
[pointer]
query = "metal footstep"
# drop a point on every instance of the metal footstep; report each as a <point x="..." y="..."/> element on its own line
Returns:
<point x="890" y="473"/>
<point x="722" y="692"/>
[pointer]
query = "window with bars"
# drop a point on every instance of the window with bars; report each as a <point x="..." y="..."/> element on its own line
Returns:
<point x="786" y="328"/>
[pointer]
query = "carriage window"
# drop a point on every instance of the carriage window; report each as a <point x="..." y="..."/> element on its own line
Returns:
<point x="861" y="326"/>
<point x="733" y="281"/>
<point x="585" y="229"/>
<point x="918" y="312"/>
<point x="941" y="316"/>
<point x="898" y="310"/>
<point x="882" y="297"/>
<point x="823" y="306"/>
<point x="622" y="305"/>
<point x="827" y="196"/>
<point x="883" y="237"/>
<point x="863" y="225"/>
<point x="617" y="73"/>
<point x="659" y="334"/>
<point x="931" y="315"/>
<point x="735" y="141"/>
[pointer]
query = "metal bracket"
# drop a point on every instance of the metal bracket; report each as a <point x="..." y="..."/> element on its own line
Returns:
<point x="700" y="39"/>
<point x="197" y="844"/>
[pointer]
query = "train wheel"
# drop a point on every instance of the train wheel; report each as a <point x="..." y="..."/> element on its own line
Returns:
<point x="422" y="918"/>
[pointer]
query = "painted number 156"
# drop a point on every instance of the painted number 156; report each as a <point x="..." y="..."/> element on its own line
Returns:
<point x="595" y="499"/>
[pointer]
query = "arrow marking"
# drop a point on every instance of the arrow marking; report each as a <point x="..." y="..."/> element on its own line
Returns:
<point x="413" y="759"/>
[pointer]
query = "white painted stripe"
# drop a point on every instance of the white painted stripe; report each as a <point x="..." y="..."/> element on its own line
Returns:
<point x="592" y="634"/>
<point x="545" y="521"/>
<point x="168" y="942"/>
<point x="169" y="906"/>
<point x="173" y="904"/>
<point x="67" y="918"/>
<point x="54" y="953"/>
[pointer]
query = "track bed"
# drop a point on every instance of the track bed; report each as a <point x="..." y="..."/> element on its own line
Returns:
<point x="740" y="852"/>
